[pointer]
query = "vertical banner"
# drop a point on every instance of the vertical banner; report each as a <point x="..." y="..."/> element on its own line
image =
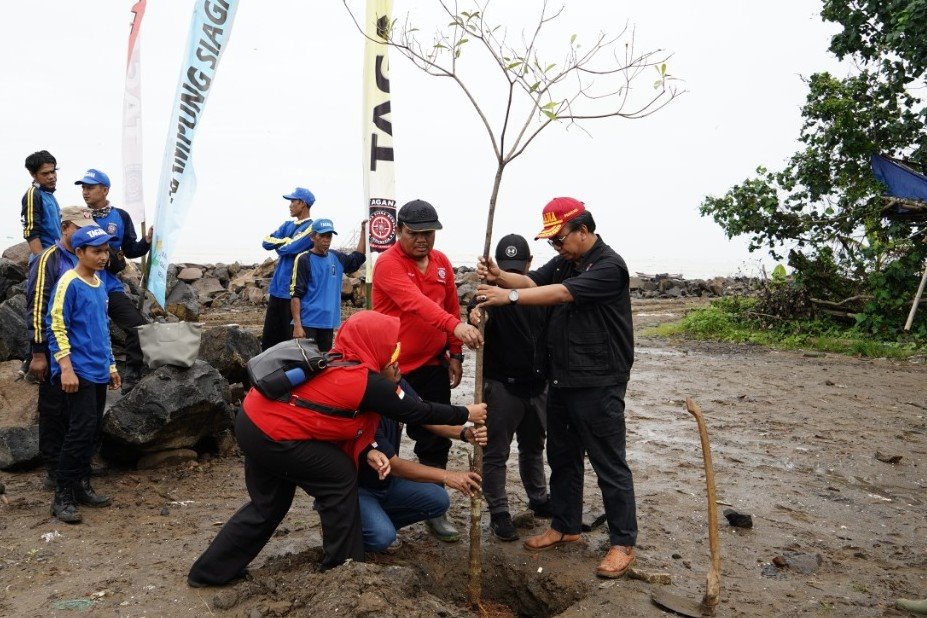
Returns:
<point x="209" y="34"/>
<point x="379" y="179"/>
<point x="133" y="201"/>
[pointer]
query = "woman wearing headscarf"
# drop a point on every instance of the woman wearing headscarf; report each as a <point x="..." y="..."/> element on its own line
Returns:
<point x="288" y="446"/>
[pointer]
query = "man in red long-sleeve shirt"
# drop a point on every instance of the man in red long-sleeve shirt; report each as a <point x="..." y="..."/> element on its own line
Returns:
<point x="415" y="282"/>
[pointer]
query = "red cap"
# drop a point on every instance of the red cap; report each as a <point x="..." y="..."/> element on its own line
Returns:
<point x="557" y="212"/>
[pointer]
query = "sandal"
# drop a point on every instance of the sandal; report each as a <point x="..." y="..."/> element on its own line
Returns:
<point x="551" y="538"/>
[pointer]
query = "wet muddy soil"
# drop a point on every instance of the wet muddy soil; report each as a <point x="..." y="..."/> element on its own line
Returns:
<point x="836" y="530"/>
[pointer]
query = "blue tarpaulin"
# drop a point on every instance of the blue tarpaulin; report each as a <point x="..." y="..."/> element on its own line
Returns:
<point x="901" y="180"/>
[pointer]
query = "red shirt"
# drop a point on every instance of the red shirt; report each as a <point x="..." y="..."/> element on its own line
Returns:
<point x="338" y="387"/>
<point x="425" y="303"/>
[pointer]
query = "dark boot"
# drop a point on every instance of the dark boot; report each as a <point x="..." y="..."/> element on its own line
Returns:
<point x="50" y="481"/>
<point x="65" y="507"/>
<point x="84" y="494"/>
<point x="502" y="526"/>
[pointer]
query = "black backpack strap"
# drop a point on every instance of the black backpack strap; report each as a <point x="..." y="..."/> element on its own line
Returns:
<point x="323" y="409"/>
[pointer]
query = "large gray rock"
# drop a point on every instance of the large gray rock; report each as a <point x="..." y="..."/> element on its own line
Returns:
<point x="14" y="342"/>
<point x="19" y="417"/>
<point x="19" y="253"/>
<point x="228" y="349"/>
<point x="11" y="273"/>
<point x="207" y="287"/>
<point x="183" y="302"/>
<point x="171" y="408"/>
<point x="19" y="448"/>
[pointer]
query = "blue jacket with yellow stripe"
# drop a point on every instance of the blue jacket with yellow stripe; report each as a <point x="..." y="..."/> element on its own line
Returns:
<point x="288" y="240"/>
<point x="44" y="273"/>
<point x="77" y="326"/>
<point x="41" y="216"/>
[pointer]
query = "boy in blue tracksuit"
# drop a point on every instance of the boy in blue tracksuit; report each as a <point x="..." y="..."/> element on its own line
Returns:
<point x="315" y="285"/>
<point x="41" y="216"/>
<point x="123" y="244"/>
<point x="289" y="240"/>
<point x="82" y="363"/>
<point x="44" y="273"/>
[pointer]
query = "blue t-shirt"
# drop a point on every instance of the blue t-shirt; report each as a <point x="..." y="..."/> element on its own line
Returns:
<point x="316" y="282"/>
<point x="288" y="240"/>
<point x="77" y="325"/>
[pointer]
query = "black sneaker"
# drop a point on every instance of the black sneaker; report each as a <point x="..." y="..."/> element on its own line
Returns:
<point x="502" y="526"/>
<point x="541" y="509"/>
<point x="50" y="481"/>
<point x="84" y="494"/>
<point x="64" y="507"/>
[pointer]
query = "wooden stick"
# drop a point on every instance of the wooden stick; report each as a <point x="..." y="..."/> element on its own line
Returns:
<point x="713" y="585"/>
<point x="917" y="299"/>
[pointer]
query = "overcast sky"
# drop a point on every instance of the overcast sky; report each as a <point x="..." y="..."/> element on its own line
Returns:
<point x="286" y="106"/>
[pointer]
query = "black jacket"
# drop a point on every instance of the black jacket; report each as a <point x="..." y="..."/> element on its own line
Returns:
<point x="515" y="352"/>
<point x="590" y="341"/>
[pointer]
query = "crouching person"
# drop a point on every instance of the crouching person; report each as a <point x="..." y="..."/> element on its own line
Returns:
<point x="83" y="364"/>
<point x="413" y="492"/>
<point x="312" y="441"/>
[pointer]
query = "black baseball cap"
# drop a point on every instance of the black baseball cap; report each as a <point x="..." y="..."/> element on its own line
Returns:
<point x="512" y="253"/>
<point x="419" y="216"/>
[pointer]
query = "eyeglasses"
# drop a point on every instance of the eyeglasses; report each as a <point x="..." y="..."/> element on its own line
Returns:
<point x="557" y="241"/>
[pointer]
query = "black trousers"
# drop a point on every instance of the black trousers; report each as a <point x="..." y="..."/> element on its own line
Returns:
<point x="323" y="337"/>
<point x="53" y="422"/>
<point x="590" y="421"/>
<point x="123" y="313"/>
<point x="273" y="471"/>
<point x="513" y="414"/>
<point x="277" y="320"/>
<point x="84" y="413"/>
<point x="432" y="383"/>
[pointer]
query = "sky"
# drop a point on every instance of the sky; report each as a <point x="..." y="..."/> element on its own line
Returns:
<point x="285" y="111"/>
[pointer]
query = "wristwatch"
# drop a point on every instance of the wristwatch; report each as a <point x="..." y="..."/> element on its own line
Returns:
<point x="513" y="296"/>
<point x="457" y="357"/>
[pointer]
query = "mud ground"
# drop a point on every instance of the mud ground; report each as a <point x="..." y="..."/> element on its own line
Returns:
<point x="794" y="438"/>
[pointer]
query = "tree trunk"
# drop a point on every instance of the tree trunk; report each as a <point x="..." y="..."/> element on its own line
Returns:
<point x="474" y="589"/>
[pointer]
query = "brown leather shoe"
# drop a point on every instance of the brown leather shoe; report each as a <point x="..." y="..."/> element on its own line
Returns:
<point x="549" y="539"/>
<point x="616" y="562"/>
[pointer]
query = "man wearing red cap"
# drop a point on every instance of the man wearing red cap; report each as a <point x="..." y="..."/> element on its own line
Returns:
<point x="590" y="349"/>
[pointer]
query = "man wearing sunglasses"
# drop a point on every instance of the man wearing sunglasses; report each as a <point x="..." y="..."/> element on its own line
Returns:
<point x="590" y="349"/>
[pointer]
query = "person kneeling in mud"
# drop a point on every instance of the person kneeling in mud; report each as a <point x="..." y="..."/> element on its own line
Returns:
<point x="412" y="492"/>
<point x="312" y="442"/>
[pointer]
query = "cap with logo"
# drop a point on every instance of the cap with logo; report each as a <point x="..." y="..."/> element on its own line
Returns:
<point x="512" y="253"/>
<point x="559" y="211"/>
<point x="300" y="193"/>
<point x="323" y="226"/>
<point x="90" y="236"/>
<point x="78" y="215"/>
<point x="93" y="177"/>
<point x="419" y="216"/>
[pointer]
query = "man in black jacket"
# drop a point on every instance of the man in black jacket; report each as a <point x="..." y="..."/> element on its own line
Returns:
<point x="590" y="349"/>
<point x="513" y="387"/>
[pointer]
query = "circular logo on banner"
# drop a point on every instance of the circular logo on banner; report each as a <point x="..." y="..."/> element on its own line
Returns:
<point x="511" y="251"/>
<point x="382" y="226"/>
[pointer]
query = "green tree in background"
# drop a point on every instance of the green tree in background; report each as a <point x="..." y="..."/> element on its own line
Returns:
<point x="824" y="208"/>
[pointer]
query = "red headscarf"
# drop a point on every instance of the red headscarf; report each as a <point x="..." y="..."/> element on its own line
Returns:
<point x="369" y="338"/>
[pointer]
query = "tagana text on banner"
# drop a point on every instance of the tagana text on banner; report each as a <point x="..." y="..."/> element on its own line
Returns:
<point x="377" y="129"/>
<point x="210" y="30"/>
